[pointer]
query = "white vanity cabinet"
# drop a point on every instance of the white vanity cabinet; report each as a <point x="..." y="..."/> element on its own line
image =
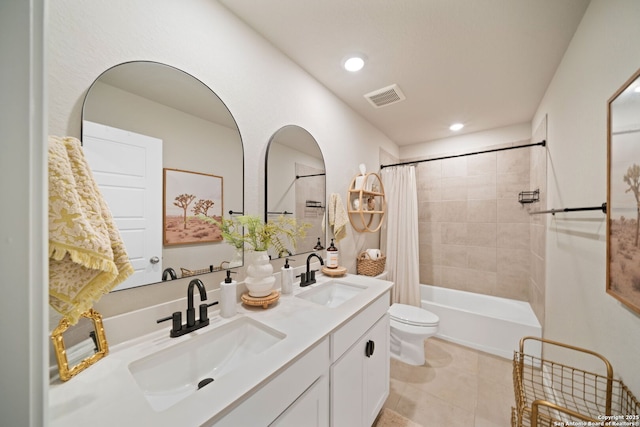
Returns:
<point x="309" y="410"/>
<point x="299" y="396"/>
<point x="360" y="375"/>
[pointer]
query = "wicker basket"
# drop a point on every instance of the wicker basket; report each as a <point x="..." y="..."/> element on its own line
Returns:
<point x="370" y="267"/>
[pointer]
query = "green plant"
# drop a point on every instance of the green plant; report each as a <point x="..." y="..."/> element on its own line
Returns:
<point x="260" y="235"/>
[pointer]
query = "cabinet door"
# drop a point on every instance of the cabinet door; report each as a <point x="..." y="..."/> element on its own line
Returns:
<point x="360" y="378"/>
<point x="310" y="409"/>
<point x="347" y="377"/>
<point x="376" y="365"/>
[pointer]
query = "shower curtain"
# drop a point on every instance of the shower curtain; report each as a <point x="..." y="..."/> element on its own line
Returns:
<point x="399" y="236"/>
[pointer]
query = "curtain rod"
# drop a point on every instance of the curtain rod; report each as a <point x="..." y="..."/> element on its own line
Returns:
<point x="541" y="143"/>
<point x="602" y="207"/>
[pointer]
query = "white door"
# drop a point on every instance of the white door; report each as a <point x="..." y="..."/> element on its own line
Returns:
<point x="128" y="169"/>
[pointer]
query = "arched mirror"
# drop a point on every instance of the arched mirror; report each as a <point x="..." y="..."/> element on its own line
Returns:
<point x="166" y="153"/>
<point x="295" y="184"/>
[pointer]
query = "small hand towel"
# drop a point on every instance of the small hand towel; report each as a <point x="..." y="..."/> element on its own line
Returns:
<point x="338" y="217"/>
<point x="87" y="257"/>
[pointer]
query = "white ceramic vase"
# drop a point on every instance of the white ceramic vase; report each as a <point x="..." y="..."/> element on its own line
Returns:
<point x="237" y="258"/>
<point x="260" y="278"/>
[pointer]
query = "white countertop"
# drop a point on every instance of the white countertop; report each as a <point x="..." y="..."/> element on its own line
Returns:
<point x="107" y="394"/>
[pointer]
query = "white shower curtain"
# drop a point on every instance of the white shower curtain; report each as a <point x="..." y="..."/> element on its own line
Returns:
<point x="399" y="237"/>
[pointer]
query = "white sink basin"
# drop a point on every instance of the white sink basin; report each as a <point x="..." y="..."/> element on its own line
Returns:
<point x="174" y="373"/>
<point x="332" y="294"/>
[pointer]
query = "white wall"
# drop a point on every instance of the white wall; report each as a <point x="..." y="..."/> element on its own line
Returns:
<point x="23" y="244"/>
<point x="261" y="87"/>
<point x="603" y="54"/>
<point x="476" y="141"/>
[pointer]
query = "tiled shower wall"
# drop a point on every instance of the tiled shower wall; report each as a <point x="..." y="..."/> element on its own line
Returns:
<point x="537" y="282"/>
<point x="474" y="234"/>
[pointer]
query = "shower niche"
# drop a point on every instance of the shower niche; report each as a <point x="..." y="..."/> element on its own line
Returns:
<point x="367" y="203"/>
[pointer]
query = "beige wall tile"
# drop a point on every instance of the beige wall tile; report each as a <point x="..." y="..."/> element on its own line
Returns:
<point x="429" y="211"/>
<point x="430" y="254"/>
<point x="455" y="211"/>
<point x="454" y="188"/>
<point x="426" y="170"/>
<point x="430" y="274"/>
<point x="514" y="235"/>
<point x="454" y="167"/>
<point x="481" y="164"/>
<point x="482" y="210"/>
<point x="509" y="210"/>
<point x="509" y="185"/>
<point x="511" y="161"/>
<point x="454" y="256"/>
<point x="430" y="193"/>
<point x="453" y="233"/>
<point x="481" y="187"/>
<point x="429" y="232"/>
<point x="482" y="234"/>
<point x="481" y="258"/>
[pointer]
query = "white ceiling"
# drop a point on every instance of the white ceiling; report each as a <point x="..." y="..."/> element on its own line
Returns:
<point x="485" y="63"/>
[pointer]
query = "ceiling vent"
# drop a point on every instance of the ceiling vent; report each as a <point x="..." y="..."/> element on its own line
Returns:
<point x="385" y="96"/>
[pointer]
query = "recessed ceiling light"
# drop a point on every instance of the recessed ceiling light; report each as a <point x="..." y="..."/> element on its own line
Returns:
<point x="354" y="63"/>
<point x="456" y="126"/>
<point x="637" y="89"/>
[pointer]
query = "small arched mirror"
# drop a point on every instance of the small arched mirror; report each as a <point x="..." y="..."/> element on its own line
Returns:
<point x="295" y="184"/>
<point x="153" y="133"/>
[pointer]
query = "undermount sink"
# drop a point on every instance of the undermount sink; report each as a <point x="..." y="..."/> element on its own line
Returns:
<point x="174" y="373"/>
<point x="332" y="294"/>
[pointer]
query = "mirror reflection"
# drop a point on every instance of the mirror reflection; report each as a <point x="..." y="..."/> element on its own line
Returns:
<point x="295" y="184"/>
<point x="140" y="118"/>
<point x="79" y="346"/>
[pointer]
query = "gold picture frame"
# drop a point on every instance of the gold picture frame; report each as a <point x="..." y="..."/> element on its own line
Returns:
<point x="623" y="194"/>
<point x="188" y="197"/>
<point x="97" y="339"/>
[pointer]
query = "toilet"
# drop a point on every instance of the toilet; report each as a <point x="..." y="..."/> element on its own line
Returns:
<point x="410" y="326"/>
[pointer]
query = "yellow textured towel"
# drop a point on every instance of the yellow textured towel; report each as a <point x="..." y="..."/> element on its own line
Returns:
<point x="338" y="218"/>
<point x="87" y="257"/>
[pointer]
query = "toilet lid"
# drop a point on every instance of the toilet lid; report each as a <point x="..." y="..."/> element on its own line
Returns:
<point x="411" y="315"/>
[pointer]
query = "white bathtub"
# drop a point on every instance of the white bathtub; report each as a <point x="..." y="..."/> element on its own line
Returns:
<point x="490" y="324"/>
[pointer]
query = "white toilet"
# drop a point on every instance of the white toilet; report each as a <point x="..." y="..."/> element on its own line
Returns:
<point x="410" y="326"/>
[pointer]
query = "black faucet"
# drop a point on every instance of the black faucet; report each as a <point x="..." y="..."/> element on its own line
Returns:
<point x="177" y="328"/>
<point x="309" y="277"/>
<point x="169" y="272"/>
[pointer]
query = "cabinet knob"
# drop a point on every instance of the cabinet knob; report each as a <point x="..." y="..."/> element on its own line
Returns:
<point x="154" y="260"/>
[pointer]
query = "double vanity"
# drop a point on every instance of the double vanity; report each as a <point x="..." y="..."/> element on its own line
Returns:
<point x="318" y="357"/>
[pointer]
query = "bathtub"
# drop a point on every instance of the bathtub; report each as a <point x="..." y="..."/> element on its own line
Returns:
<point x="487" y="323"/>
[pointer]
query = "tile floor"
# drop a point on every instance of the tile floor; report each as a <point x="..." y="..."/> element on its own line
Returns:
<point x="457" y="386"/>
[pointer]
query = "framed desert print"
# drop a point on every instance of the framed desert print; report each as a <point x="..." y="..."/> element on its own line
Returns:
<point x="192" y="204"/>
<point x="623" y="194"/>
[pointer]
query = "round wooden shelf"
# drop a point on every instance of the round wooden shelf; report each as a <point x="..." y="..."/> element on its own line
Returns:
<point x="369" y="213"/>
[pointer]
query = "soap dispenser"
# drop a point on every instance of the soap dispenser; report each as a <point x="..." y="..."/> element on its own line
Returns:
<point x="287" y="277"/>
<point x="332" y="256"/>
<point x="228" y="296"/>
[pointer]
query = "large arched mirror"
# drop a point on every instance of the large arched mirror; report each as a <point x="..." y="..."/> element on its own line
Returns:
<point x="152" y="134"/>
<point x="295" y="184"/>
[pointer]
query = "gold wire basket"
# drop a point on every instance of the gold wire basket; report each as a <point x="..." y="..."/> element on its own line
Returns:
<point x="552" y="394"/>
